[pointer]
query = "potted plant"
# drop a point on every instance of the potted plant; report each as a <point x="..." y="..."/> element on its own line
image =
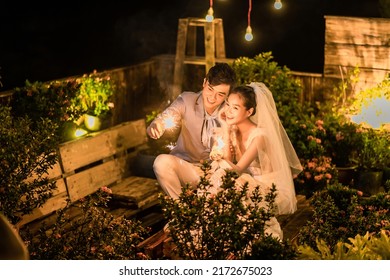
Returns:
<point x="342" y="142"/>
<point x="95" y="98"/>
<point x="373" y="158"/>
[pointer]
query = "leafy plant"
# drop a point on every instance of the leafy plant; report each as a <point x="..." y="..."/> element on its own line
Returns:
<point x="205" y="225"/>
<point x="342" y="140"/>
<point x="374" y="154"/>
<point x="285" y="89"/>
<point x="94" y="235"/>
<point x="54" y="100"/>
<point x="95" y="94"/>
<point x="27" y="152"/>
<point x="367" y="247"/>
<point x="370" y="106"/>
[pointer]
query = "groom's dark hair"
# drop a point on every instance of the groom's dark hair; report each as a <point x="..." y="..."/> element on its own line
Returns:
<point x="221" y="73"/>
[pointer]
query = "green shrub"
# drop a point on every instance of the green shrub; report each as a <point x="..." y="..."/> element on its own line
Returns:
<point x="341" y="213"/>
<point x="27" y="152"/>
<point x="222" y="226"/>
<point x="55" y="100"/>
<point x="93" y="235"/>
<point x="285" y="89"/>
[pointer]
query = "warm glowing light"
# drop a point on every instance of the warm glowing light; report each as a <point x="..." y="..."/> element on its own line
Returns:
<point x="80" y="132"/>
<point x="220" y="143"/>
<point x="210" y="15"/>
<point x="376" y="114"/>
<point x="92" y="123"/>
<point x="278" y="4"/>
<point x="248" y="34"/>
<point x="169" y="122"/>
<point x="170" y="146"/>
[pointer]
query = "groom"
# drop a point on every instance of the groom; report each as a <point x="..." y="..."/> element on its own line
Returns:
<point x="196" y="114"/>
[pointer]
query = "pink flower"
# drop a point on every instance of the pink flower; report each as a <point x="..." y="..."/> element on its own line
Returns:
<point x="319" y="122"/>
<point x="106" y="190"/>
<point x="109" y="249"/>
<point x="339" y="136"/>
<point x="328" y="176"/>
<point x="320" y="169"/>
<point x="142" y="256"/>
<point x="308" y="175"/>
<point x="318" y="177"/>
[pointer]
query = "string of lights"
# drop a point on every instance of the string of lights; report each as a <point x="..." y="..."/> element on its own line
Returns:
<point x="248" y="35"/>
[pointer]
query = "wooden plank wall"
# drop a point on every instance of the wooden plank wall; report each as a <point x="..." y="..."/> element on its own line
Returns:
<point x="361" y="42"/>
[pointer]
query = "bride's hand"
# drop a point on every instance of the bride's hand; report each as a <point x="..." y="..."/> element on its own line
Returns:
<point x="222" y="117"/>
<point x="216" y="154"/>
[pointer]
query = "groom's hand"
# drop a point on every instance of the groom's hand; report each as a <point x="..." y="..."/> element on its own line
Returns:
<point x="155" y="130"/>
<point x="222" y="117"/>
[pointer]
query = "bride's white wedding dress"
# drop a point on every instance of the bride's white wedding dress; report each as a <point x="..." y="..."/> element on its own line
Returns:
<point x="260" y="173"/>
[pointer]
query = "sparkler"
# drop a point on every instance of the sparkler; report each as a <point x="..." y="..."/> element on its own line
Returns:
<point x="169" y="122"/>
<point x="217" y="150"/>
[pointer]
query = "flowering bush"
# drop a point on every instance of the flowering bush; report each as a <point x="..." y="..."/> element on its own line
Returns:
<point x="341" y="213"/>
<point x="206" y="225"/>
<point x="95" y="235"/>
<point x="342" y="140"/>
<point x="317" y="174"/>
<point x="306" y="136"/>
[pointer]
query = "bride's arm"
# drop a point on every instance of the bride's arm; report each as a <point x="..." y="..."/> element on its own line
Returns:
<point x="248" y="156"/>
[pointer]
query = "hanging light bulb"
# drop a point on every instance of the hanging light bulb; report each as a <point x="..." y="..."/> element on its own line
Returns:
<point x="278" y="4"/>
<point x="248" y="34"/>
<point x="210" y="13"/>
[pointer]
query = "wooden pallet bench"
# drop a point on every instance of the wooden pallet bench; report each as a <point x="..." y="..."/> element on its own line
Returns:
<point x="104" y="158"/>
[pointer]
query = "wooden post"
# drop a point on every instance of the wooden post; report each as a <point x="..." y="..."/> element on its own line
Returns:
<point x="214" y="43"/>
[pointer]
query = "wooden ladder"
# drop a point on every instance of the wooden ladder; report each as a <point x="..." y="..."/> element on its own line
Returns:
<point x="214" y="43"/>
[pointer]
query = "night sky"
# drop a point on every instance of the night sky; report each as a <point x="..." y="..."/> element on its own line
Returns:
<point x="39" y="42"/>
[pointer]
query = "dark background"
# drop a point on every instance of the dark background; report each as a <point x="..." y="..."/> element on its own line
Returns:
<point x="41" y="42"/>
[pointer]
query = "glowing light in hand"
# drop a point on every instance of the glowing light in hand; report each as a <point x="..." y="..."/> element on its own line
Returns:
<point x="169" y="122"/>
<point x="220" y="143"/>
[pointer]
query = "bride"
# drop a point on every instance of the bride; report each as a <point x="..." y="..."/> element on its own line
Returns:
<point x="252" y="141"/>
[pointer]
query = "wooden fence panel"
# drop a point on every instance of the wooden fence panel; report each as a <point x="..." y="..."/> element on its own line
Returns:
<point x="357" y="42"/>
